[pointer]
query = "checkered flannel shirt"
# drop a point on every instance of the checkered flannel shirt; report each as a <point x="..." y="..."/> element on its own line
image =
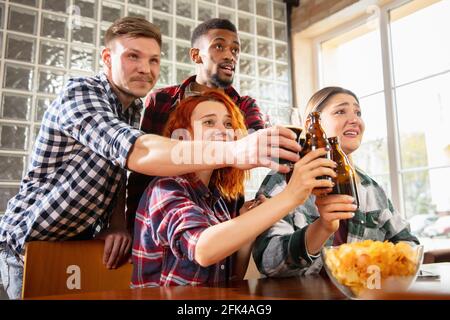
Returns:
<point x="172" y="214"/>
<point x="77" y="165"/>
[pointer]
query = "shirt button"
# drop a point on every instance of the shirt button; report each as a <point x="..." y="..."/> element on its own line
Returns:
<point x="222" y="267"/>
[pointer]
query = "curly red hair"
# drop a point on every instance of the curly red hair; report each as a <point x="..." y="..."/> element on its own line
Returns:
<point x="229" y="181"/>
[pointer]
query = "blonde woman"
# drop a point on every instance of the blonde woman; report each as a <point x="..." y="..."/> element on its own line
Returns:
<point x="292" y="245"/>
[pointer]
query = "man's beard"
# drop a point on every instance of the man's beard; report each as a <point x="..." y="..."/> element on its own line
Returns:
<point x="220" y="83"/>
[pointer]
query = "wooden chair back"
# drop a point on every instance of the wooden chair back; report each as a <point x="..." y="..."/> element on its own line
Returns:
<point x="53" y="268"/>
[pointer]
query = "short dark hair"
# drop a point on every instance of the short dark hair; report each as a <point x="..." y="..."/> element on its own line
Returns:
<point x="133" y="27"/>
<point x="215" y="23"/>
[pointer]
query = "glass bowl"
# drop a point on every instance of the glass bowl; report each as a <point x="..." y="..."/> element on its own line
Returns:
<point x="358" y="268"/>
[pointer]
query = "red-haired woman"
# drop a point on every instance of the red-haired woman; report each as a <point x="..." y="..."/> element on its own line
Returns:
<point x="184" y="234"/>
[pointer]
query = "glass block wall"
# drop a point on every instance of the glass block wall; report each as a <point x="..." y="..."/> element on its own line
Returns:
<point x="43" y="42"/>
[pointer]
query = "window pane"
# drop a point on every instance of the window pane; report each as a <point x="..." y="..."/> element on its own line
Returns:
<point x="84" y="33"/>
<point x="20" y="48"/>
<point x="227" y="3"/>
<point x="227" y="14"/>
<point x="185" y="8"/>
<point x="265" y="49"/>
<point x="32" y="3"/>
<point x="165" y="76"/>
<point x="183" y="53"/>
<point x="247" y="66"/>
<point x="87" y="8"/>
<point x="164" y="23"/>
<point x="52" y="54"/>
<point x="82" y="59"/>
<point x="184" y="30"/>
<point x="282" y="72"/>
<point x="265" y="69"/>
<point x="142" y="3"/>
<point x="6" y="193"/>
<point x="205" y="12"/>
<point x="246" y="5"/>
<point x="281" y="52"/>
<point x="162" y="5"/>
<point x="426" y="191"/>
<point x="42" y="105"/>
<point x="16" y="106"/>
<point x="55" y="5"/>
<point x="424" y="122"/>
<point x="183" y="73"/>
<point x="166" y="49"/>
<point x="137" y="12"/>
<point x="247" y="45"/>
<point x="248" y="86"/>
<point x="263" y="8"/>
<point x="246" y="23"/>
<point x="2" y="11"/>
<point x="420" y="39"/>
<point x="50" y="81"/>
<point x="11" y="168"/>
<point x="372" y="155"/>
<point x="353" y="60"/>
<point x="264" y="28"/>
<point x="18" y="77"/>
<point x="267" y="90"/>
<point x="54" y="26"/>
<point x="279" y="11"/>
<point x="280" y="31"/>
<point x="13" y="137"/>
<point x="22" y="20"/>
<point x="111" y="11"/>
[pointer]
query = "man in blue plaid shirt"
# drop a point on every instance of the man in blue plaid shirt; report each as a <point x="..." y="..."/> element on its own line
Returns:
<point x="75" y="184"/>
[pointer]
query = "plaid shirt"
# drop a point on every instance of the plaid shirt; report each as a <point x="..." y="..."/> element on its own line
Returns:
<point x="172" y="214"/>
<point x="159" y="105"/>
<point x="281" y="251"/>
<point x="76" y="167"/>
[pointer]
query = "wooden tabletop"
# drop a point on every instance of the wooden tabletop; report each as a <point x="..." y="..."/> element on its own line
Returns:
<point x="317" y="287"/>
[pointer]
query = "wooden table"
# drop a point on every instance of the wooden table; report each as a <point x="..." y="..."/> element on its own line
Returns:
<point x="317" y="287"/>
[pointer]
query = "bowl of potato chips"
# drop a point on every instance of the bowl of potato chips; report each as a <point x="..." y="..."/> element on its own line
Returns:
<point x="355" y="268"/>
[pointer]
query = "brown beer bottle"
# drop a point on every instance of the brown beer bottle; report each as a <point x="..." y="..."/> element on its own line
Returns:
<point x="297" y="132"/>
<point x="306" y="144"/>
<point x="345" y="182"/>
<point x="318" y="137"/>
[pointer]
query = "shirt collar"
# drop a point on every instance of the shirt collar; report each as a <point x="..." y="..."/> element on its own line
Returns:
<point x="136" y="106"/>
<point x="202" y="190"/>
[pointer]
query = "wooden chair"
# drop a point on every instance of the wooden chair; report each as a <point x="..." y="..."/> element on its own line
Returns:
<point x="53" y="268"/>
